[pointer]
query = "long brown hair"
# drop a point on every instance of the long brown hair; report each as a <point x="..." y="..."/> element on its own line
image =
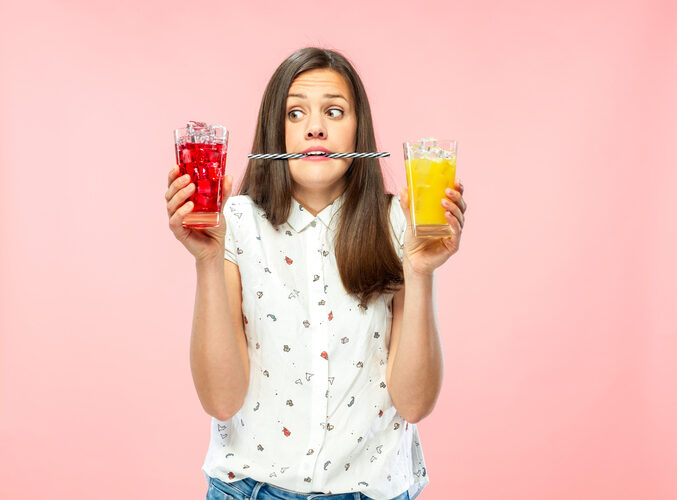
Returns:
<point x="366" y="259"/>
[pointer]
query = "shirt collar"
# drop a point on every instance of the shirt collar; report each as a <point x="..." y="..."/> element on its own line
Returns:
<point x="300" y="218"/>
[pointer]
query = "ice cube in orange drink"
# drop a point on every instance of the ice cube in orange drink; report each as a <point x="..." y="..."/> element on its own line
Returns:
<point x="427" y="180"/>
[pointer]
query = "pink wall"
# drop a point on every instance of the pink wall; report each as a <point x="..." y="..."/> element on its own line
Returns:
<point x="557" y="314"/>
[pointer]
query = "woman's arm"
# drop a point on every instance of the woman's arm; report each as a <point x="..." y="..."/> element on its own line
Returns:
<point x="219" y="360"/>
<point x="415" y="364"/>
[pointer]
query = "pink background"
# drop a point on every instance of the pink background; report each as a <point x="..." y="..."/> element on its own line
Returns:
<point x="557" y="314"/>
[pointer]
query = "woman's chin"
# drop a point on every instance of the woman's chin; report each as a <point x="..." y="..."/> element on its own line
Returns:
<point x="315" y="185"/>
<point x="317" y="176"/>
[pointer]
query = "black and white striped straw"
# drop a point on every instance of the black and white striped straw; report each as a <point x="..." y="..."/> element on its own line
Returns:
<point x="287" y="156"/>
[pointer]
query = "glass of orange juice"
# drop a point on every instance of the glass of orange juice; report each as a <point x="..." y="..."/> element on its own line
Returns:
<point x="431" y="168"/>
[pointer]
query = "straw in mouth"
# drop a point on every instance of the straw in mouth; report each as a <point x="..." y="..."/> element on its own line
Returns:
<point x="287" y="156"/>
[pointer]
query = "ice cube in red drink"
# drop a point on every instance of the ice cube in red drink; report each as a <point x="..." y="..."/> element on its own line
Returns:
<point x="206" y="165"/>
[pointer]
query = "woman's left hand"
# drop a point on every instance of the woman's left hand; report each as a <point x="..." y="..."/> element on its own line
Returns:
<point x="424" y="255"/>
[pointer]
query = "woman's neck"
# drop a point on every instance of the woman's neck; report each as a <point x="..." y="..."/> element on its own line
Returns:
<point x="316" y="201"/>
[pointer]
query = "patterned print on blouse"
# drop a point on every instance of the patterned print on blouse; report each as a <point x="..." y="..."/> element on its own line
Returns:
<point x="317" y="416"/>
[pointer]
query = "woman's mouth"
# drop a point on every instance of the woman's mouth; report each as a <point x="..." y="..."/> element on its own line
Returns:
<point x="316" y="156"/>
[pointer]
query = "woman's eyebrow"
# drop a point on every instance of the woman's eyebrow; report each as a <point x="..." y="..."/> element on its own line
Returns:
<point x="330" y="96"/>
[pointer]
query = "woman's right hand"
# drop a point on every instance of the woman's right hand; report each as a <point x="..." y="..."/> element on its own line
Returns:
<point x="204" y="243"/>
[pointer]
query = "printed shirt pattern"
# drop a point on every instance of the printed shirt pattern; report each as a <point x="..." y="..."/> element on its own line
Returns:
<point x="317" y="417"/>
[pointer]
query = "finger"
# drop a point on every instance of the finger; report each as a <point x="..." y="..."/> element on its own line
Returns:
<point x="458" y="186"/>
<point x="179" y="198"/>
<point x="173" y="174"/>
<point x="177" y="185"/>
<point x="176" y="220"/>
<point x="454" y="210"/>
<point x="457" y="198"/>
<point x="456" y="227"/>
<point x="452" y="243"/>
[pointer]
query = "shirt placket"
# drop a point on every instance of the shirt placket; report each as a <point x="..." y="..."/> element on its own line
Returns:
<point x="319" y="352"/>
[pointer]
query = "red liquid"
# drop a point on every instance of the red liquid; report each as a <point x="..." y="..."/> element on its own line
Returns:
<point x="206" y="165"/>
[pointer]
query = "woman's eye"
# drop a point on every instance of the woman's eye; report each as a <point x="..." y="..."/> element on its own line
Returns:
<point x="333" y="112"/>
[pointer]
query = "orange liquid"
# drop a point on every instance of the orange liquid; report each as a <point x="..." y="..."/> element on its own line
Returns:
<point x="426" y="181"/>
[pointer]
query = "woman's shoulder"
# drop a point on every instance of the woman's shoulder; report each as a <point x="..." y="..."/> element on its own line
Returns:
<point x="240" y="204"/>
<point x="239" y="212"/>
<point x="239" y="200"/>
<point x="398" y="224"/>
<point x="397" y="218"/>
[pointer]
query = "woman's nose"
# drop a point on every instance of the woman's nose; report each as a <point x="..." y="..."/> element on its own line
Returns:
<point x="316" y="129"/>
<point x="315" y="132"/>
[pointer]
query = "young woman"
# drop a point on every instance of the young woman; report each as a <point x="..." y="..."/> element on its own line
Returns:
<point x="313" y="362"/>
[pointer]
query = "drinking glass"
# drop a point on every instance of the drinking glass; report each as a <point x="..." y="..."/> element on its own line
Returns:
<point x="201" y="151"/>
<point x="431" y="168"/>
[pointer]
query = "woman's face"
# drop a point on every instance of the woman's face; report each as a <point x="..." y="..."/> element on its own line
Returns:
<point x="320" y="115"/>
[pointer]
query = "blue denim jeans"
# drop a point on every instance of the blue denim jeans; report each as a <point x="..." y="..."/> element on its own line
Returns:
<point x="250" y="489"/>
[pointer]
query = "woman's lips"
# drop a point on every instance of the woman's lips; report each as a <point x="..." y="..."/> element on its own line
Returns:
<point x="315" y="158"/>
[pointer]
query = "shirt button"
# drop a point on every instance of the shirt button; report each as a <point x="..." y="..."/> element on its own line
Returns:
<point x="313" y="223"/>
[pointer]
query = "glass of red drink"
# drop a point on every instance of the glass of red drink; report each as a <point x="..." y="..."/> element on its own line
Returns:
<point x="201" y="152"/>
